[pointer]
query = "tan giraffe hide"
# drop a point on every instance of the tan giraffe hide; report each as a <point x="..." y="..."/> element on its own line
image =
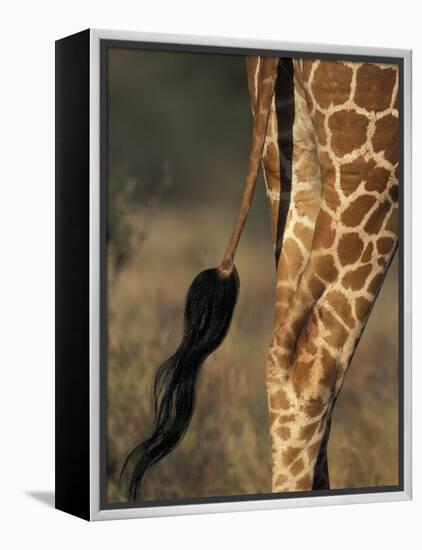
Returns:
<point x="339" y="238"/>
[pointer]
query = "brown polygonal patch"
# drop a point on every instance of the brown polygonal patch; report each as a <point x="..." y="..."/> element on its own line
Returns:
<point x="309" y="345"/>
<point x="329" y="369"/>
<point x="332" y="83"/>
<point x="356" y="278"/>
<point x="319" y="119"/>
<point x="367" y="254"/>
<point x="300" y="376"/>
<point x="306" y="432"/>
<point x="287" y="418"/>
<point x="314" y="407"/>
<point x="362" y="308"/>
<point x="281" y="480"/>
<point x="324" y="233"/>
<point x="297" y="466"/>
<point x="308" y="334"/>
<point x="341" y="306"/>
<point x="350" y="248"/>
<point x="290" y="454"/>
<point x="313" y="450"/>
<point x="376" y="219"/>
<point x="337" y="333"/>
<point x="393" y="221"/>
<point x="325" y="268"/>
<point x="285" y="338"/>
<point x="385" y="245"/>
<point x="303" y="233"/>
<point x="356" y="211"/>
<point x="328" y="172"/>
<point x="279" y="400"/>
<point x="304" y="483"/>
<point x="385" y="138"/>
<point x="331" y="197"/>
<point x="272" y="158"/>
<point x="375" y="283"/>
<point x="283" y="432"/>
<point x="377" y="179"/>
<point x="293" y="257"/>
<point x="352" y="173"/>
<point x="316" y="287"/>
<point x="348" y="131"/>
<point x="374" y="87"/>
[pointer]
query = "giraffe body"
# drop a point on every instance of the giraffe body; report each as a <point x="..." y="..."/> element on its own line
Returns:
<point x="339" y="236"/>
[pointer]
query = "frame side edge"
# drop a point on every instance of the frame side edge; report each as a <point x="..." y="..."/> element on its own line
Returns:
<point x="407" y="273"/>
<point x="72" y="273"/>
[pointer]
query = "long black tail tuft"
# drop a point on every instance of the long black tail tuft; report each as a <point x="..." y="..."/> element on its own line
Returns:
<point x="208" y="313"/>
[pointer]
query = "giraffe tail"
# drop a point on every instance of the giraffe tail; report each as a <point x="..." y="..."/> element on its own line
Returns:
<point x="209" y="309"/>
<point x="208" y="312"/>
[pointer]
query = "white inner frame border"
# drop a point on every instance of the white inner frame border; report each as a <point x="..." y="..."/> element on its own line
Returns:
<point x="205" y="508"/>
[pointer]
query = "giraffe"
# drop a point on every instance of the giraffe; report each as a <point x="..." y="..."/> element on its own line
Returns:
<point x="326" y="134"/>
<point x="333" y="242"/>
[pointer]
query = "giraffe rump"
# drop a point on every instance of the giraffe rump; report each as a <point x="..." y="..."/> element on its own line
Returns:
<point x="209" y="308"/>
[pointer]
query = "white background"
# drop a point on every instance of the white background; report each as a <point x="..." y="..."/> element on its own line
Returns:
<point x="27" y="37"/>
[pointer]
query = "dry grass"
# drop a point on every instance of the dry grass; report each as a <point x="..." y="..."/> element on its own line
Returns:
<point x="227" y="448"/>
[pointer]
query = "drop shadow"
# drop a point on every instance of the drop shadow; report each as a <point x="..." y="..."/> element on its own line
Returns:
<point x="45" y="497"/>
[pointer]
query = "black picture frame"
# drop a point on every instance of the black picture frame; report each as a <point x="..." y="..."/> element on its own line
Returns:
<point x="81" y="77"/>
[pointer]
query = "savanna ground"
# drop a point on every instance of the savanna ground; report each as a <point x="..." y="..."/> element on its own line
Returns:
<point x="174" y="186"/>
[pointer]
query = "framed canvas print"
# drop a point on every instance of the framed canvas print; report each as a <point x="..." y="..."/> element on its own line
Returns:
<point x="233" y="307"/>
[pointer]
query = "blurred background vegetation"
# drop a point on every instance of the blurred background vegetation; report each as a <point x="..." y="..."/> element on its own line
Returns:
<point x="179" y="128"/>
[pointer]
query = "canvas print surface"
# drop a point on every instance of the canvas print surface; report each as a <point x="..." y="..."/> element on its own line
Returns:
<point x="276" y="370"/>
